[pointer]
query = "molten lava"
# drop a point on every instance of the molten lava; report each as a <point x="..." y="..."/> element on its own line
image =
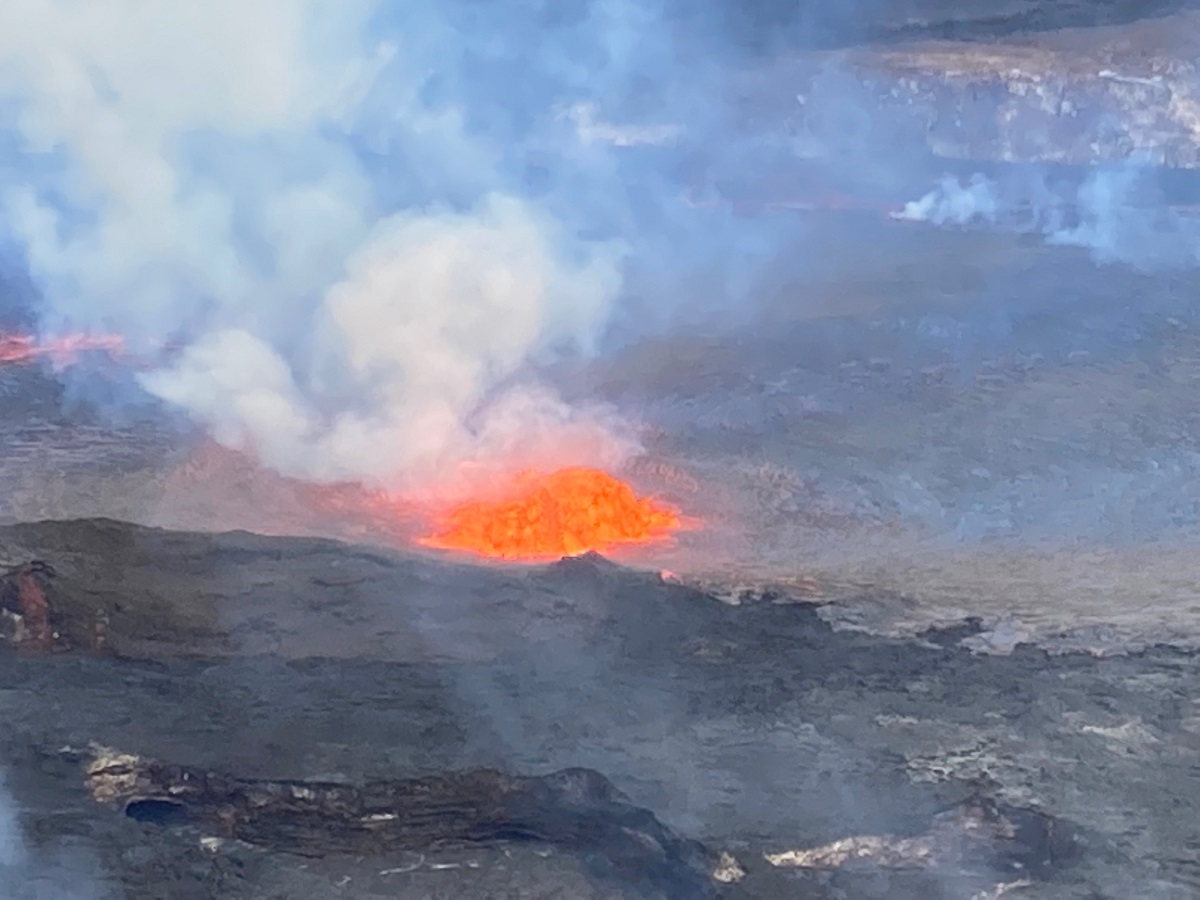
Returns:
<point x="21" y="348"/>
<point x="544" y="516"/>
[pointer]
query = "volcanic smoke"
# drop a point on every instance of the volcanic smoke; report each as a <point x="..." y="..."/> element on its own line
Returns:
<point x="328" y="213"/>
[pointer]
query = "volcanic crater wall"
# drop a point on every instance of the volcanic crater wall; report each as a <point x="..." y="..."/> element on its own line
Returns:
<point x="1086" y="96"/>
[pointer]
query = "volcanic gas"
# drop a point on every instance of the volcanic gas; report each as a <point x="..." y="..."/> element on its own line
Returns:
<point x="564" y="513"/>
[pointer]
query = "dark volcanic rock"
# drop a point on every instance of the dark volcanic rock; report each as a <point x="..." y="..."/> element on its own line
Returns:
<point x="575" y="808"/>
<point x="808" y="762"/>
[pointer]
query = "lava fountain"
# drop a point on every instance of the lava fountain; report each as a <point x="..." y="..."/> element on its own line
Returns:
<point x="543" y="516"/>
<point x="539" y="516"/>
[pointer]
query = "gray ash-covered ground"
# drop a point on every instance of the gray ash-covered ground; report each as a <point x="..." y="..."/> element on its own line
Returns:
<point x="754" y="729"/>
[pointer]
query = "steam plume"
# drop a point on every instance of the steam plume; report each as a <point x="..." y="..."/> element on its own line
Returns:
<point x="365" y="226"/>
<point x="1114" y="214"/>
<point x="326" y="208"/>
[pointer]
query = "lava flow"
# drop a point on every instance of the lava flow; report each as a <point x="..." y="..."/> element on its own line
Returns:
<point x="21" y="348"/>
<point x="565" y="513"/>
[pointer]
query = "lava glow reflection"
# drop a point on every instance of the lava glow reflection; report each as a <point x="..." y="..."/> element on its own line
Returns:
<point x="565" y="513"/>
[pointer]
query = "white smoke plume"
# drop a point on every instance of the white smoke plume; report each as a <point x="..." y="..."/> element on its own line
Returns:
<point x="196" y="174"/>
<point x="953" y="203"/>
<point x="1114" y="214"/>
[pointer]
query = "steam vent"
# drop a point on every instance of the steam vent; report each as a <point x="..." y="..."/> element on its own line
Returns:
<point x="601" y="450"/>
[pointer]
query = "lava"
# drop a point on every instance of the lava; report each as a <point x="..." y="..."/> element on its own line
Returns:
<point x="565" y="513"/>
<point x="22" y="348"/>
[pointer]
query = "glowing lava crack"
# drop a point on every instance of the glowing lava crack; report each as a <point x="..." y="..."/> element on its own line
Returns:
<point x="19" y="348"/>
<point x="544" y="516"/>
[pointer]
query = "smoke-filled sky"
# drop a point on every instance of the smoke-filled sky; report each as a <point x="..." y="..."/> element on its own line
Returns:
<point x="360" y="222"/>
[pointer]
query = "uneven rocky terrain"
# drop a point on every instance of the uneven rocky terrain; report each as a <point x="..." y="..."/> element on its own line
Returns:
<point x="217" y="706"/>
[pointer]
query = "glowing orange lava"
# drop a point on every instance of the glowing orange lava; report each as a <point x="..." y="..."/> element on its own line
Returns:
<point x="565" y="513"/>
<point x="21" y="348"/>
